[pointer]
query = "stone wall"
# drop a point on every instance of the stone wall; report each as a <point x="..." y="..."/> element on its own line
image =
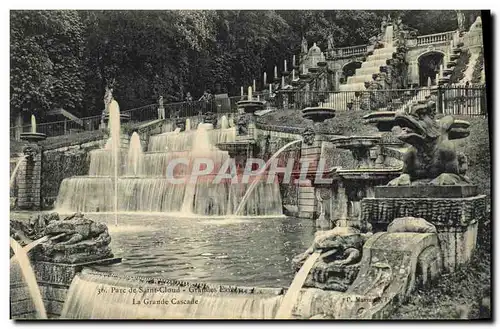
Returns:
<point x="61" y="163"/>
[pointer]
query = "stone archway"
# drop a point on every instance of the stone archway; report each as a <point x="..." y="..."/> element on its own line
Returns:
<point x="428" y="66"/>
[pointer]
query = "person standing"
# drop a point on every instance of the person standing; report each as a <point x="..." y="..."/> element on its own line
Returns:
<point x="161" y="109"/>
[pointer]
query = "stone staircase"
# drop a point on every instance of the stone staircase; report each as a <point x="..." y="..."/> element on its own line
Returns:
<point x="356" y="83"/>
<point x="368" y="68"/>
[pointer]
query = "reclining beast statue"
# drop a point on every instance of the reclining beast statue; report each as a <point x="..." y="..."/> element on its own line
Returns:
<point x="432" y="158"/>
<point x="338" y="264"/>
<point x="74" y="239"/>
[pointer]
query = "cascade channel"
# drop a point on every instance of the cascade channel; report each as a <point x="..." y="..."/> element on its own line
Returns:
<point x="149" y="181"/>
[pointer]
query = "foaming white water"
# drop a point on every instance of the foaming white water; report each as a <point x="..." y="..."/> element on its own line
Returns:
<point x="156" y="194"/>
<point x="201" y="149"/>
<point x="292" y="294"/>
<point x="389" y="35"/>
<point x="84" y="302"/>
<point x="21" y="257"/>
<point x="152" y="182"/>
<point x="101" y="162"/>
<point x="183" y="141"/>
<point x="16" y="169"/>
<point x="254" y="183"/>
<point x="85" y="194"/>
<point x="135" y="161"/>
<point x="224" y="122"/>
<point x="115" y="132"/>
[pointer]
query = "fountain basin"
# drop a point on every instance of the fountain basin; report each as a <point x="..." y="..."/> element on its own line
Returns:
<point x="447" y="71"/>
<point x="237" y="147"/>
<point x="318" y="114"/>
<point x="426" y="191"/>
<point x="33" y="137"/>
<point x="459" y="129"/>
<point x="251" y="106"/>
<point x="313" y="69"/>
<point x="353" y="142"/>
<point x="383" y="120"/>
<point x="369" y="173"/>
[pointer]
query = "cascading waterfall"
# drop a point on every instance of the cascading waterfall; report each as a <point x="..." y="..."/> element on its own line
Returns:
<point x="83" y="301"/>
<point x="146" y="180"/>
<point x="201" y="149"/>
<point x="389" y="35"/>
<point x="257" y="181"/>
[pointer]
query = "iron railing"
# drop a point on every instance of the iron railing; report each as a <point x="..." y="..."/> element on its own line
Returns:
<point x="454" y="100"/>
<point x="467" y="101"/>
<point x="141" y="114"/>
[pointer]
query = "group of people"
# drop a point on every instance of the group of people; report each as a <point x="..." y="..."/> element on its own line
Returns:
<point x="207" y="99"/>
<point x="205" y="104"/>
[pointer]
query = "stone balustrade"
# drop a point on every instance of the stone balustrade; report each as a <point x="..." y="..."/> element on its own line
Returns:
<point x="434" y="38"/>
<point x="351" y="51"/>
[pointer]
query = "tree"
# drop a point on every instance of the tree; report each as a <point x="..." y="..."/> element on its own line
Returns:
<point x="45" y="61"/>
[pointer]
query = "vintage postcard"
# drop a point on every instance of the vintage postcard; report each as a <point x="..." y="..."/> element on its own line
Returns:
<point x="250" y="164"/>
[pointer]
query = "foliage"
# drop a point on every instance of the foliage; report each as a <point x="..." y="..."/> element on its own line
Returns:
<point x="478" y="68"/>
<point x="458" y="71"/>
<point x="66" y="58"/>
<point x="45" y="60"/>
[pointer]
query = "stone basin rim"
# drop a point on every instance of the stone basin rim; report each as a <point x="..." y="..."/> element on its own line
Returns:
<point x="159" y="281"/>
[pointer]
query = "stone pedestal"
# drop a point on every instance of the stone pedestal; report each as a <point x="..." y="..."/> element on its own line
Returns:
<point x="455" y="211"/>
<point x="307" y="200"/>
<point x="30" y="173"/>
<point x="310" y="152"/>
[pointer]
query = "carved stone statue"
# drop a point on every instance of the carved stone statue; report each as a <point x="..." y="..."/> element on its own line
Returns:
<point x="460" y="20"/>
<point x="108" y="97"/>
<point x="180" y="123"/>
<point x="331" y="45"/>
<point x="25" y="232"/>
<point x="337" y="266"/>
<point x="304" y="45"/>
<point x="242" y="125"/>
<point x="30" y="151"/>
<point x="75" y="239"/>
<point x="383" y="25"/>
<point x="211" y="118"/>
<point x="160" y="102"/>
<point x="432" y="158"/>
<point x="308" y="136"/>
